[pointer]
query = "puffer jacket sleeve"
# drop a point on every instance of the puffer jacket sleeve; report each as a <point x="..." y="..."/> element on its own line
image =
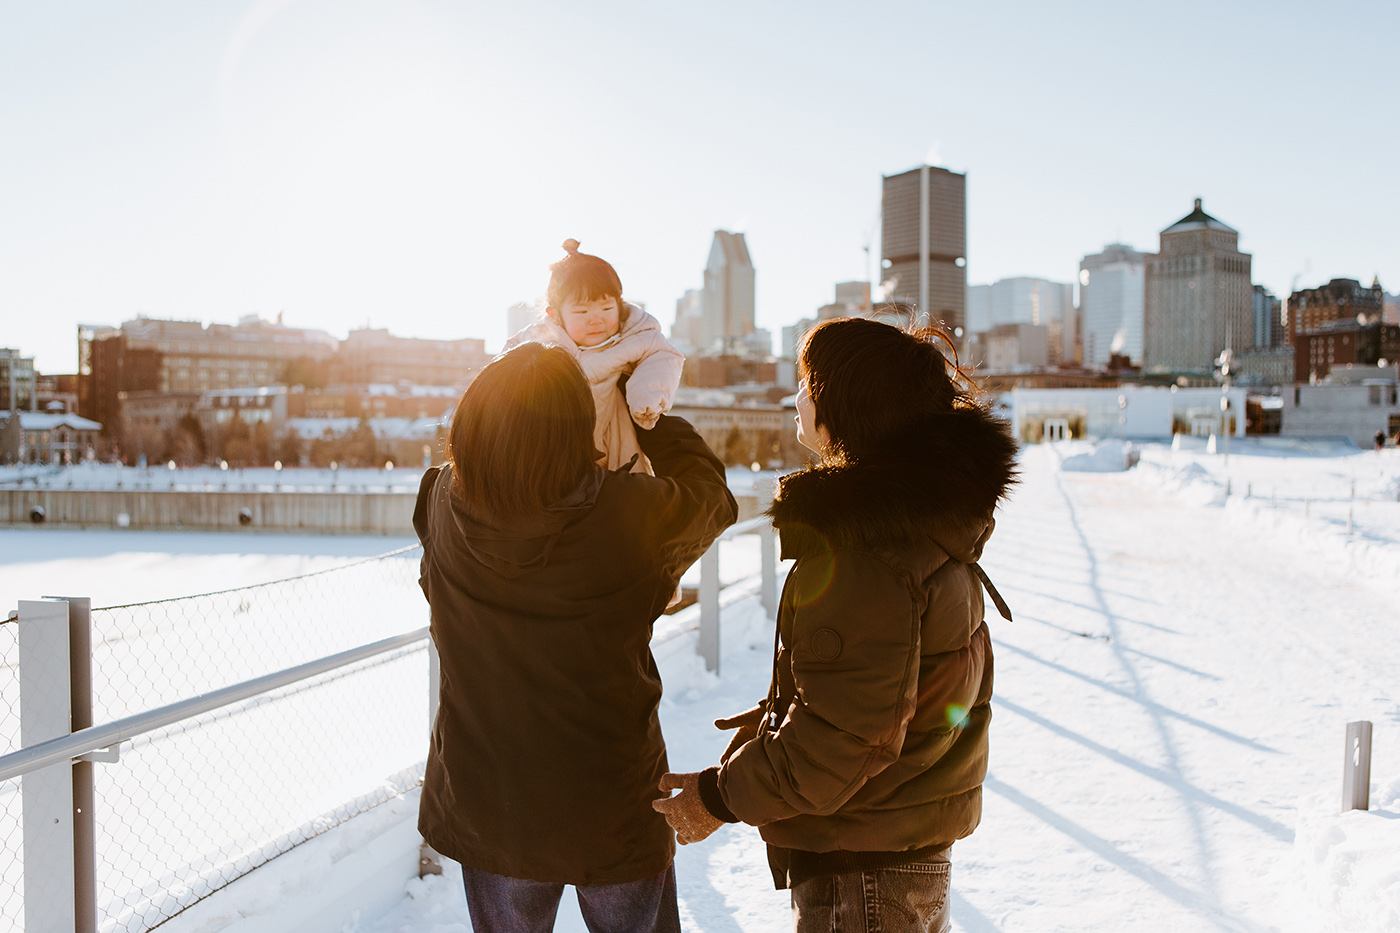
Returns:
<point x="855" y="647"/>
<point x="653" y="364"/>
<point x="420" y="520"/>
<point x="652" y="386"/>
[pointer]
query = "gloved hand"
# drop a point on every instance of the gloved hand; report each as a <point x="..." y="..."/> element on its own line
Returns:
<point x="686" y="812"/>
<point x="747" y="723"/>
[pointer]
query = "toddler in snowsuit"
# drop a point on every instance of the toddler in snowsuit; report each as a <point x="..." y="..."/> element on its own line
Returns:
<point x="610" y="338"/>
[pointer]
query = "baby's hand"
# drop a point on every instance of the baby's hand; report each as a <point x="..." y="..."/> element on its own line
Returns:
<point x="646" y="417"/>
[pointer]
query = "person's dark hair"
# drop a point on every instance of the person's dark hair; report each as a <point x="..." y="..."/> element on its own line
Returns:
<point x="522" y="434"/>
<point x="873" y="383"/>
<point x="580" y="276"/>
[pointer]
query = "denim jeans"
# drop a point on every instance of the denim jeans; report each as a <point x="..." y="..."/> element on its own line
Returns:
<point x="498" y="904"/>
<point x="911" y="898"/>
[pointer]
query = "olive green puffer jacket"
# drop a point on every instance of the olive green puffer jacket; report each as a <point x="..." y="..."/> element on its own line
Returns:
<point x="875" y="734"/>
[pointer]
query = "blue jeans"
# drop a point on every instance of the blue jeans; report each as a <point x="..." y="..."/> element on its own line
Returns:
<point x="911" y="898"/>
<point x="498" y="904"/>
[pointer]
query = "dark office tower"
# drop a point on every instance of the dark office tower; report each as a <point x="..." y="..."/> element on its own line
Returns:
<point x="923" y="242"/>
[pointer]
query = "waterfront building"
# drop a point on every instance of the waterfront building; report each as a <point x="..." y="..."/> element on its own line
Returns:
<point x="1112" y="299"/>
<point x="923" y="243"/>
<point x="1343" y="342"/>
<point x="146" y="355"/>
<point x="1338" y="300"/>
<point x="374" y="356"/>
<point x="46" y="437"/>
<point x="1199" y="296"/>
<point x="18" y="389"/>
<point x="1027" y="300"/>
<point x="1356" y="402"/>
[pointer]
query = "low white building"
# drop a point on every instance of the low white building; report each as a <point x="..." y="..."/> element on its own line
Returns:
<point x="1354" y="402"/>
<point x="1131" y="411"/>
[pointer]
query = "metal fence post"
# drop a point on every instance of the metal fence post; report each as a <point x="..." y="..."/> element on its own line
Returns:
<point x="1356" y="772"/>
<point x="84" y="821"/>
<point x="709" y="608"/>
<point x="768" y="557"/>
<point x="45" y="713"/>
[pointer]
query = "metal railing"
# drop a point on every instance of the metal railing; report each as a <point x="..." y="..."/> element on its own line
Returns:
<point x="133" y="820"/>
<point x="233" y="727"/>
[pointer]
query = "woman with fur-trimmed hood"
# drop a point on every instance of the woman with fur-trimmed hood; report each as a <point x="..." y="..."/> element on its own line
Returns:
<point x="866" y="761"/>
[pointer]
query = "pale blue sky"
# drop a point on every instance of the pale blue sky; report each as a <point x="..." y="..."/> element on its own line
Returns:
<point x="416" y="164"/>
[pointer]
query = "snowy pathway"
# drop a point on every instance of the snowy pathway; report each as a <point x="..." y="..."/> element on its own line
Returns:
<point x="1177" y="677"/>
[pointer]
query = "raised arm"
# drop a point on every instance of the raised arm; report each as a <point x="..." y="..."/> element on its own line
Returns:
<point x="693" y="504"/>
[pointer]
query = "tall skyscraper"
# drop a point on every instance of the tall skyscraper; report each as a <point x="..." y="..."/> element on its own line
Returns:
<point x="923" y="242"/>
<point x="1199" y="296"/>
<point x="727" y="297"/>
<point x="1112" y="296"/>
<point x="1267" y="314"/>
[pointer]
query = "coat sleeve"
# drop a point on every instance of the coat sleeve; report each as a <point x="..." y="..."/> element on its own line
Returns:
<point x="854" y="649"/>
<point x="652" y="386"/>
<point x="692" y="503"/>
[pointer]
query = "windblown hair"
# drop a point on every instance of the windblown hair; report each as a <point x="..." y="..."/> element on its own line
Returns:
<point x="522" y="434"/>
<point x="873" y="385"/>
<point x="579" y="276"/>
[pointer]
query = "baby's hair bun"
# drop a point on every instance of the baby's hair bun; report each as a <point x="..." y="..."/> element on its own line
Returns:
<point x="571" y="246"/>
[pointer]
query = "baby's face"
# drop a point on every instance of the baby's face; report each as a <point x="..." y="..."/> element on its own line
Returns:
<point x="589" y="323"/>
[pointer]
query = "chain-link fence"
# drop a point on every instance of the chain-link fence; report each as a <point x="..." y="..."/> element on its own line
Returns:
<point x="11" y="801"/>
<point x="192" y="806"/>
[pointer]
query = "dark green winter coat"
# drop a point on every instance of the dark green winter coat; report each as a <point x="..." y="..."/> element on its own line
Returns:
<point x="547" y="751"/>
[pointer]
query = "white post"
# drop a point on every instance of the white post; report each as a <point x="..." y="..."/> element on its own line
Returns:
<point x="434" y="684"/>
<point x="429" y="862"/>
<point x="1356" y="772"/>
<point x="768" y="557"/>
<point x="709" y="608"/>
<point x="45" y="713"/>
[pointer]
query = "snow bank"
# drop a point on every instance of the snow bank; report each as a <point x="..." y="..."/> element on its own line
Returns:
<point x="1108" y="456"/>
<point x="1348" y="864"/>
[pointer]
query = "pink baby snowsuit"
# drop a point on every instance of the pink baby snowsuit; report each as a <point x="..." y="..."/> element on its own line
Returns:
<point x="653" y="366"/>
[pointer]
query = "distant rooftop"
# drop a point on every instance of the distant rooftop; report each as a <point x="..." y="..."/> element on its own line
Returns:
<point x="1198" y="220"/>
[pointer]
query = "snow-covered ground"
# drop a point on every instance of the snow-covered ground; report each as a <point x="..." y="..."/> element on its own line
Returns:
<point x="1191" y="638"/>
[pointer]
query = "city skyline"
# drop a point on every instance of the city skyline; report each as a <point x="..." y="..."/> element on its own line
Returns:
<point x="415" y="166"/>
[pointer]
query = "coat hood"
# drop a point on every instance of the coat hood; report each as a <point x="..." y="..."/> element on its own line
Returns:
<point x="518" y="547"/>
<point x="941" y="485"/>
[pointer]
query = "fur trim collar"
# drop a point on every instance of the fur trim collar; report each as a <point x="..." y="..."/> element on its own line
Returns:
<point x="941" y="486"/>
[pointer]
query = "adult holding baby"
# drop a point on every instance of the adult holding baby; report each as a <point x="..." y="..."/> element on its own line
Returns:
<point x="544" y="573"/>
<point x="866" y="760"/>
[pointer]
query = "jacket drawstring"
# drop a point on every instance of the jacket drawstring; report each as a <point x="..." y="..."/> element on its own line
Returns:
<point x="992" y="592"/>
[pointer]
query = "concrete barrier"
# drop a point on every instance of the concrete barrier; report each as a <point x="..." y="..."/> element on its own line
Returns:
<point x="361" y="513"/>
<point x="214" y="510"/>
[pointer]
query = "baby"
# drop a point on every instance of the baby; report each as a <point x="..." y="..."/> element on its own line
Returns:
<point x="611" y="338"/>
